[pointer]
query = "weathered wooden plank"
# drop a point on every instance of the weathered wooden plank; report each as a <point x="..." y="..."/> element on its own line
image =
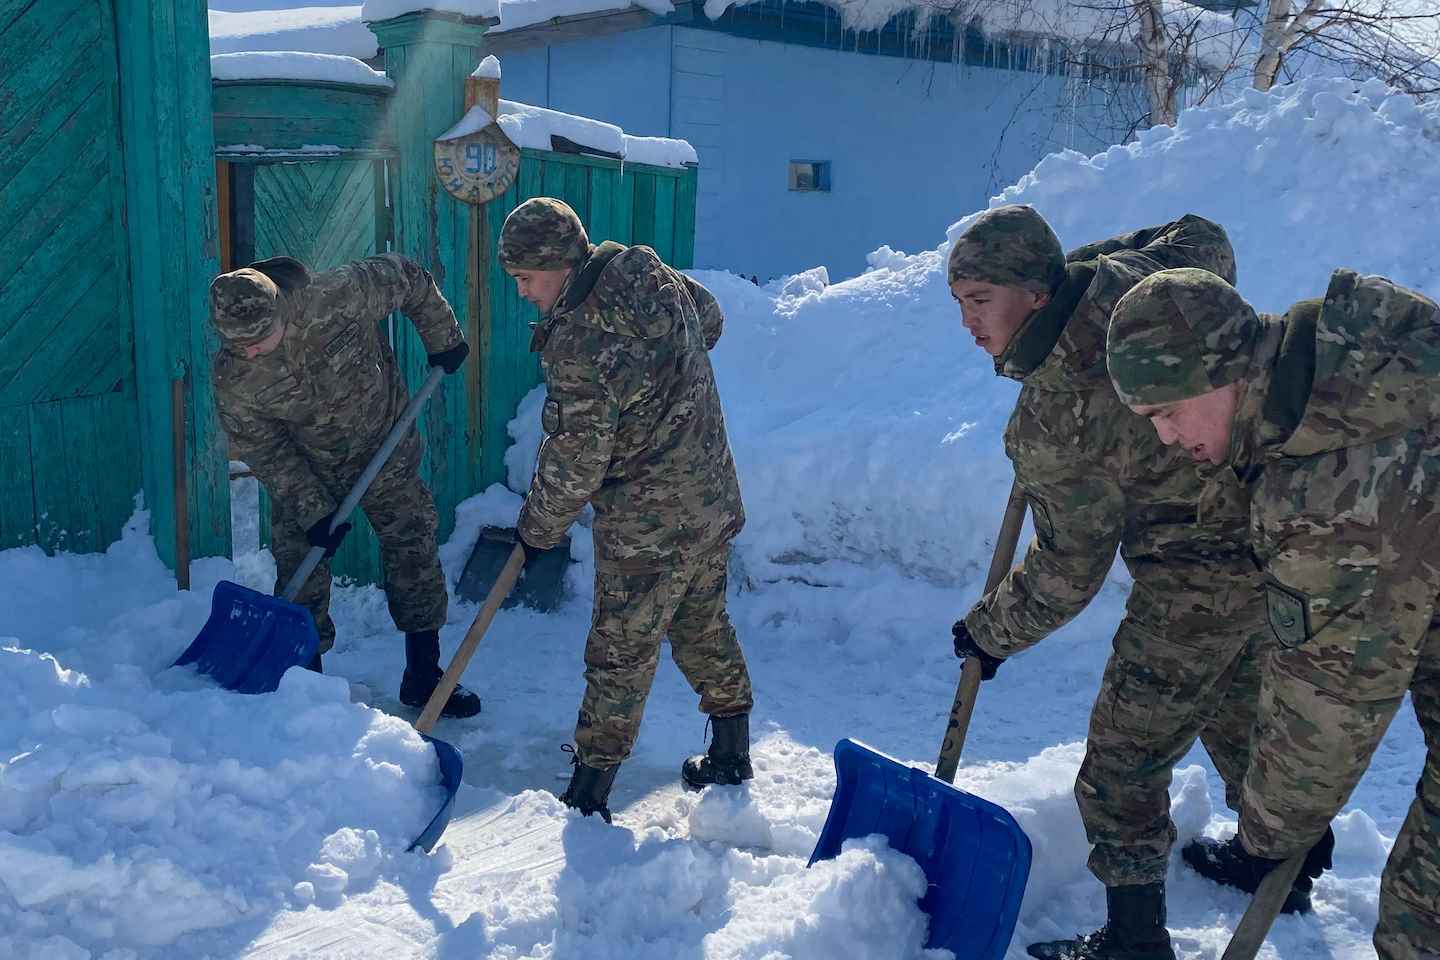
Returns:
<point x="56" y="109"/>
<point x="577" y="189"/>
<point x="77" y="350"/>
<point x="553" y="178"/>
<point x="623" y="217"/>
<point x="224" y="201"/>
<point x="81" y="441"/>
<point x="33" y="62"/>
<point x="33" y="300"/>
<point x="120" y="466"/>
<point x="293" y="116"/>
<point x="17" y="495"/>
<point x="53" y="502"/>
<point x="601" y="225"/>
<point x="665" y="218"/>
<point x="685" y="220"/>
<point x="80" y="182"/>
<point x="643" y="219"/>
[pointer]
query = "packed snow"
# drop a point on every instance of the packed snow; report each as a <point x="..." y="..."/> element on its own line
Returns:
<point x="290" y="65"/>
<point x="145" y="814"/>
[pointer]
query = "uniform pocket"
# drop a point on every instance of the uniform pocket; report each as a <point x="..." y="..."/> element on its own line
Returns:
<point x="550" y="417"/>
<point x="1141" y="702"/>
<point x="1289" y="614"/>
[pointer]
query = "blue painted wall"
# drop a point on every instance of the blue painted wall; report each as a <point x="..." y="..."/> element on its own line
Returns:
<point x="913" y="144"/>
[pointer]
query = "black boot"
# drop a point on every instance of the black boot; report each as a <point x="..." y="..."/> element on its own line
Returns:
<point x="589" y="790"/>
<point x="422" y="673"/>
<point x="1229" y="863"/>
<point x="728" y="759"/>
<point x="1134" y="930"/>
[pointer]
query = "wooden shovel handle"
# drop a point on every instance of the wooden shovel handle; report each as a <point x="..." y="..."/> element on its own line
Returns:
<point x="969" y="686"/>
<point x="1261" y="914"/>
<point x="503" y="585"/>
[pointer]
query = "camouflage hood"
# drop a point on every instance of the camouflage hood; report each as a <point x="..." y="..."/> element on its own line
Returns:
<point x="1375" y="357"/>
<point x="603" y="293"/>
<point x="1062" y="346"/>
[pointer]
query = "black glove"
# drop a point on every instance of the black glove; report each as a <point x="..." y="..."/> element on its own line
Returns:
<point x="319" y="535"/>
<point x="965" y="646"/>
<point x="450" y="359"/>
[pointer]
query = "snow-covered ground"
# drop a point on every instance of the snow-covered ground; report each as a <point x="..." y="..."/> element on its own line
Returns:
<point x="144" y="814"/>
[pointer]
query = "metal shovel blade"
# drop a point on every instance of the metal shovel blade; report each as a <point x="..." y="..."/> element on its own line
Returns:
<point x="251" y="639"/>
<point x="975" y="856"/>
<point x="543" y="586"/>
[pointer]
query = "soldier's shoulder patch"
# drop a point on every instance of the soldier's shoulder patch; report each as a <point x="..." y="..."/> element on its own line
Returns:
<point x="1289" y="613"/>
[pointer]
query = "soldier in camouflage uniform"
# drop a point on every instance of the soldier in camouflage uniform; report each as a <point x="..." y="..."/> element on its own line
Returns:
<point x="1095" y="478"/>
<point x="1330" y="415"/>
<point x="633" y="426"/>
<point x="307" y="388"/>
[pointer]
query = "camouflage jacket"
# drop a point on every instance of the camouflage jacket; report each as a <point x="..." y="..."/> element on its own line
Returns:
<point x="1338" y="438"/>
<point x="632" y="418"/>
<point x="309" y="415"/>
<point x="1094" y="474"/>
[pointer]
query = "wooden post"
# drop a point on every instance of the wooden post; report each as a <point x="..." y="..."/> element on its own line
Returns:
<point x="171" y="224"/>
<point x="182" y="497"/>
<point x="430" y="55"/>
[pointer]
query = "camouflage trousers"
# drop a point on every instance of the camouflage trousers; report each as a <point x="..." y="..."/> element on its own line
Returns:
<point x="402" y="511"/>
<point x="633" y="614"/>
<point x="1187" y="662"/>
<point x="1312" y="746"/>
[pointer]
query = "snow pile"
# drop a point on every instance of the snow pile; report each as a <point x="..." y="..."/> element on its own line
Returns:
<point x="139" y="804"/>
<point x="314" y="67"/>
<point x="870" y="390"/>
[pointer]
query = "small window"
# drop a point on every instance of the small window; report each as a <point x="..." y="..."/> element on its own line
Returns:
<point x="809" y="175"/>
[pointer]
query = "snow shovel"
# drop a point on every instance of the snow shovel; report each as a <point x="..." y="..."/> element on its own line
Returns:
<point x="452" y="765"/>
<point x="544" y="585"/>
<point x="1260" y="915"/>
<point x="975" y="856"/>
<point x="252" y="638"/>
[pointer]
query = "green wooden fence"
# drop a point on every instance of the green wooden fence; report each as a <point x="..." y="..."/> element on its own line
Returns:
<point x="108" y="232"/>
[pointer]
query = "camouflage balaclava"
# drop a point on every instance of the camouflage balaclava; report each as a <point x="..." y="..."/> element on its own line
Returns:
<point x="244" y="306"/>
<point x="1178" y="334"/>
<point x="543" y="234"/>
<point x="1010" y="246"/>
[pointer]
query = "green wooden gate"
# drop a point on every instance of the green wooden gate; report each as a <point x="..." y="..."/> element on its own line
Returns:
<point x="67" y="365"/>
<point x="324" y="213"/>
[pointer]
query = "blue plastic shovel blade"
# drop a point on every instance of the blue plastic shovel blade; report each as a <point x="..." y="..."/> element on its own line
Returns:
<point x="251" y="639"/>
<point x="975" y="856"/>
<point x="452" y="770"/>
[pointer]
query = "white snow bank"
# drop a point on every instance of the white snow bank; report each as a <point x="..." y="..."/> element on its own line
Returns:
<point x="1306" y="178"/>
<point x="389" y="9"/>
<point x="138" y="804"/>
<point x="290" y="65"/>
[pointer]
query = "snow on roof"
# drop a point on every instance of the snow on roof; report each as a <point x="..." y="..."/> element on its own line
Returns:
<point x="530" y="126"/>
<point x="341" y="29"/>
<point x="293" y="65"/>
<point x="388" y="9"/>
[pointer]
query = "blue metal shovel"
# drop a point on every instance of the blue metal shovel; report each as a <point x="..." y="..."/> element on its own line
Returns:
<point x="252" y="638"/>
<point x="975" y="856"/>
